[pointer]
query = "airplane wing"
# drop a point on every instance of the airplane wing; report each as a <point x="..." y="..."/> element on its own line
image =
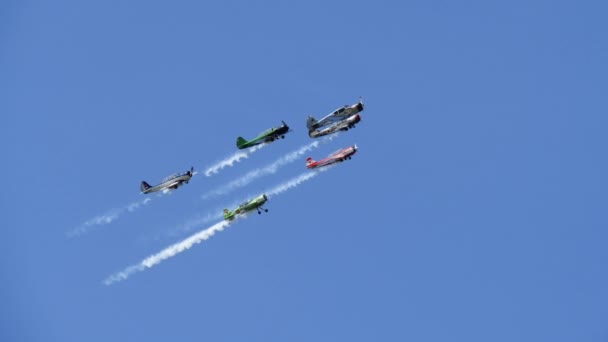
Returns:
<point x="329" y="119"/>
<point x="172" y="184"/>
<point x="342" y="113"/>
<point x="336" y="123"/>
<point x="266" y="136"/>
<point x="249" y="206"/>
<point x="271" y="137"/>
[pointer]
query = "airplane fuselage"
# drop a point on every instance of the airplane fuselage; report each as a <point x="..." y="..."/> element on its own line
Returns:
<point x="254" y="204"/>
<point x="170" y="184"/>
<point x="336" y="157"/>
<point x="267" y="136"/>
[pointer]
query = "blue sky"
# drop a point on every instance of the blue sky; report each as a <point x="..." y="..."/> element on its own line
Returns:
<point x="473" y="211"/>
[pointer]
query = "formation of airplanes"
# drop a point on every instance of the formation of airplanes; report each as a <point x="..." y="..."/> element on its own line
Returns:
<point x="341" y="119"/>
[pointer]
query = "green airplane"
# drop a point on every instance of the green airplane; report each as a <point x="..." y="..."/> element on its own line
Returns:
<point x="268" y="135"/>
<point x="254" y="204"/>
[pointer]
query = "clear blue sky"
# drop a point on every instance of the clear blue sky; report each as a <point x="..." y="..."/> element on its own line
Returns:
<point x="475" y="209"/>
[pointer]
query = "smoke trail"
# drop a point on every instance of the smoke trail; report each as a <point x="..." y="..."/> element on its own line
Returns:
<point x="225" y="162"/>
<point x="231" y="160"/>
<point x="270" y="169"/>
<point x="167" y="253"/>
<point x="292" y="183"/>
<point x="195" y="222"/>
<point x="256" y="148"/>
<point x="106" y="218"/>
<point x="134" y="206"/>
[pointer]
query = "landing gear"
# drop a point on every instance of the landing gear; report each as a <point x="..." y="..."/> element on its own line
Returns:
<point x="282" y="137"/>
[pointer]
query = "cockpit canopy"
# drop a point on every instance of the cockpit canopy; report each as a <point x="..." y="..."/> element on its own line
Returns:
<point x="175" y="175"/>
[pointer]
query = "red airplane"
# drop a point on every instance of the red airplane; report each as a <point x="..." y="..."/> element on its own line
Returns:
<point x="338" y="156"/>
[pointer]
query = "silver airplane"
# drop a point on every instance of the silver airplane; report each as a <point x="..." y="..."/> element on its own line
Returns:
<point x="339" y="120"/>
<point x="343" y="125"/>
<point x="169" y="183"/>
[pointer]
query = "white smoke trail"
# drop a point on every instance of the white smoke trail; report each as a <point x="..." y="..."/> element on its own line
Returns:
<point x="195" y="222"/>
<point x="189" y="225"/>
<point x="185" y="244"/>
<point x="167" y="253"/>
<point x="134" y="206"/>
<point x="269" y="169"/>
<point x="292" y="183"/>
<point x="215" y="168"/>
<point x="231" y="160"/>
<point x="106" y="218"/>
<point x="256" y="148"/>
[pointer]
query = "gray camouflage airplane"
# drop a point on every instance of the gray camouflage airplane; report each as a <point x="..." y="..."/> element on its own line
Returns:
<point x="169" y="183"/>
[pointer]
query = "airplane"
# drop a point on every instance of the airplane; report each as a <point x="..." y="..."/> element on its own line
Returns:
<point x="169" y="183"/>
<point x="336" y="157"/>
<point x="345" y="117"/>
<point x="254" y="204"/>
<point x="268" y="135"/>
<point x="343" y="125"/>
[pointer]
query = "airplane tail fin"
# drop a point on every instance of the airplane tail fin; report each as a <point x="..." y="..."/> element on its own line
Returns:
<point x="310" y="123"/>
<point x="309" y="161"/>
<point x="240" y="141"/>
<point x="227" y="214"/>
<point x="144" y="186"/>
